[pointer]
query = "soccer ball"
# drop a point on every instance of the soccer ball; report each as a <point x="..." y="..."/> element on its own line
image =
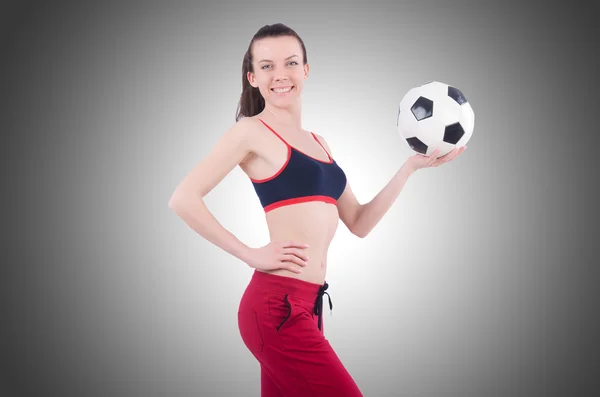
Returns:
<point x="435" y="116"/>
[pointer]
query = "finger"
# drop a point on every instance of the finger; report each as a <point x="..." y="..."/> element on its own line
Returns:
<point x="433" y="157"/>
<point x="458" y="152"/>
<point x="293" y="244"/>
<point x="291" y="267"/>
<point x="455" y="155"/>
<point x="449" y="156"/>
<point x="293" y="259"/>
<point x="440" y="160"/>
<point x="294" y="265"/>
<point x="296" y="252"/>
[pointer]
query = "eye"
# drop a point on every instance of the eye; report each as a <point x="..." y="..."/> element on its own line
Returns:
<point x="262" y="67"/>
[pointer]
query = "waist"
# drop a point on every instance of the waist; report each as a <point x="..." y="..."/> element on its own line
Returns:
<point x="314" y="221"/>
<point x="314" y="224"/>
<point x="293" y="287"/>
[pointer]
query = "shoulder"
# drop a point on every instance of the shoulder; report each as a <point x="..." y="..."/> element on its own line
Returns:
<point x="245" y="132"/>
<point x="323" y="142"/>
<point x="245" y="127"/>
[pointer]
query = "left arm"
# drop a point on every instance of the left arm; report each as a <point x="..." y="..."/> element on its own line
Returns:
<point x="362" y="218"/>
<point x="372" y="212"/>
<point x="359" y="218"/>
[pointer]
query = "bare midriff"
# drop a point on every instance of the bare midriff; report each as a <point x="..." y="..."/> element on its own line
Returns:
<point x="313" y="223"/>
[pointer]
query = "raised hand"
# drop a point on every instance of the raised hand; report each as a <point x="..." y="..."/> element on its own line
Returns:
<point x="419" y="161"/>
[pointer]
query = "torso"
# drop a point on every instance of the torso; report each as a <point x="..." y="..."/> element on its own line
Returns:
<point x="313" y="223"/>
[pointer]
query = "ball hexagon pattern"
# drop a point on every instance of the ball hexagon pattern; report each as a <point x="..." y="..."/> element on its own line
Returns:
<point x="435" y="116"/>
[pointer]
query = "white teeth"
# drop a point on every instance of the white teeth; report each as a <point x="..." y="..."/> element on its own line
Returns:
<point x="281" y="90"/>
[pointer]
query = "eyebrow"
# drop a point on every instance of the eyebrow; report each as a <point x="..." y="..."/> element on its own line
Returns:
<point x="268" y="60"/>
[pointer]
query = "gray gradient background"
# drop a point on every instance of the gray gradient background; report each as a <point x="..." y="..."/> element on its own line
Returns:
<point x="478" y="282"/>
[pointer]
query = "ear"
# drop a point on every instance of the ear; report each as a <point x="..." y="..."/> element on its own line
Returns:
<point x="306" y="70"/>
<point x="251" y="79"/>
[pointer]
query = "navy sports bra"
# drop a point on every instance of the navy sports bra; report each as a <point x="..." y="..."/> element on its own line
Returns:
<point x="302" y="178"/>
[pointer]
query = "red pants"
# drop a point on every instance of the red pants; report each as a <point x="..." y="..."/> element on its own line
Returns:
<point x="280" y="322"/>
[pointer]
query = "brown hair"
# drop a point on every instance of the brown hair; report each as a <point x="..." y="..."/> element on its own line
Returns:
<point x="251" y="101"/>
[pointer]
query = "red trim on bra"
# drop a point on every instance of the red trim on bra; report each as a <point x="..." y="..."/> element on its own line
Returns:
<point x="297" y="200"/>
<point x="325" y="150"/>
<point x="273" y="131"/>
<point x="289" y="155"/>
<point x="300" y="151"/>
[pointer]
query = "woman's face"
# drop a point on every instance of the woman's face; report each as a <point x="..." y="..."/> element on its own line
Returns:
<point x="278" y="64"/>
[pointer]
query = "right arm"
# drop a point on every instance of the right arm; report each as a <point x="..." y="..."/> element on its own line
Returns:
<point x="187" y="200"/>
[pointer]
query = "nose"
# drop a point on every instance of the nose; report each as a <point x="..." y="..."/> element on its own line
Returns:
<point x="280" y="79"/>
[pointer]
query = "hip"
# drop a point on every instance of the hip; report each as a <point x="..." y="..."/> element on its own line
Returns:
<point x="271" y="295"/>
<point x="265" y="283"/>
<point x="313" y="273"/>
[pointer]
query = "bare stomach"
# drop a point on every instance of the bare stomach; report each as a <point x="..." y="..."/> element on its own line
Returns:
<point x="312" y="223"/>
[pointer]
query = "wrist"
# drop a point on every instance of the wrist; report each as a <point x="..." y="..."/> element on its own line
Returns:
<point x="245" y="254"/>
<point x="408" y="168"/>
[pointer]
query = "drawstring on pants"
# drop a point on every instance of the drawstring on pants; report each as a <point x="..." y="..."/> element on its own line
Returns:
<point x="319" y="303"/>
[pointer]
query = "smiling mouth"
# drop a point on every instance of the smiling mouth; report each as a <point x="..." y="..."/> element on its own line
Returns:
<point x="280" y="91"/>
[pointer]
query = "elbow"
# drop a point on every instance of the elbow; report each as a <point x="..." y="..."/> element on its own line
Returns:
<point x="173" y="206"/>
<point x="171" y="203"/>
<point x="357" y="229"/>
<point x="178" y="199"/>
<point x="174" y="201"/>
<point x="360" y="233"/>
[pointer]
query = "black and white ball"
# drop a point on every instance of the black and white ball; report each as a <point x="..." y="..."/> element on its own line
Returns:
<point x="435" y="116"/>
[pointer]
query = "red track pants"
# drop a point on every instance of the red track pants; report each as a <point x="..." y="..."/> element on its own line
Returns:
<point x="280" y="322"/>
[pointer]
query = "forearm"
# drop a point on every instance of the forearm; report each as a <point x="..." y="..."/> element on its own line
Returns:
<point x="372" y="212"/>
<point x="195" y="214"/>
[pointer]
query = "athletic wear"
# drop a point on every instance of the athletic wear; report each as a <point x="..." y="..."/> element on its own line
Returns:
<point x="302" y="178"/>
<point x="279" y="324"/>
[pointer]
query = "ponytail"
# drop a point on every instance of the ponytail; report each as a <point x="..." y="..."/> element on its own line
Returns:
<point x="251" y="101"/>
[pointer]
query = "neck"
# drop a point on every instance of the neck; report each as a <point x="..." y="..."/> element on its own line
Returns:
<point x="289" y="117"/>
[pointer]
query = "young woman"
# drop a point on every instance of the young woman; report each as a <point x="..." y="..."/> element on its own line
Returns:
<point x="304" y="193"/>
